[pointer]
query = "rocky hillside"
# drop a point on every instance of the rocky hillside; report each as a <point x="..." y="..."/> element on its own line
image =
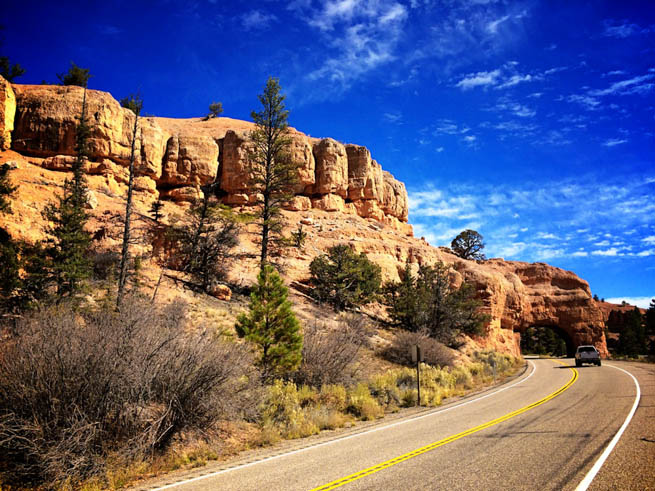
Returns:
<point x="343" y="195"/>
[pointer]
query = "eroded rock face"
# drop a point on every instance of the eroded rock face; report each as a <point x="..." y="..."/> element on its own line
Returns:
<point x="182" y="155"/>
<point x="365" y="179"/>
<point x="234" y="171"/>
<point x="46" y="119"/>
<point x="331" y="168"/>
<point x="302" y="152"/>
<point x="7" y="113"/>
<point x="189" y="161"/>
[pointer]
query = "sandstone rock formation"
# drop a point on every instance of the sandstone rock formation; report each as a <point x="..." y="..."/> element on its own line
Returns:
<point x="182" y="155"/>
<point x="7" y="113"/>
<point x="343" y="195"/>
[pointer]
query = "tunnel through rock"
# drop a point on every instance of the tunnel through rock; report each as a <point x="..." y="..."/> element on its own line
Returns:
<point x="546" y="340"/>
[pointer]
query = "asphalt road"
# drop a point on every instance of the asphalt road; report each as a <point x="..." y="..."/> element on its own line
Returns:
<point x="497" y="440"/>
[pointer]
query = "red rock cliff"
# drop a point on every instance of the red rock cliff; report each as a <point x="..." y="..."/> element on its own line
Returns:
<point x="343" y="195"/>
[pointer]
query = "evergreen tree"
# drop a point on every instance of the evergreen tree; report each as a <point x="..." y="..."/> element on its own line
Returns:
<point x="215" y="110"/>
<point x="135" y="104"/>
<point x="468" y="245"/>
<point x="272" y="171"/>
<point x="9" y="250"/>
<point x="428" y="302"/>
<point x="650" y="319"/>
<point x="298" y="237"/>
<point x="205" y="240"/>
<point x="271" y="326"/>
<point x="155" y="209"/>
<point x="67" y="249"/>
<point x="343" y="278"/>
<point x="75" y="76"/>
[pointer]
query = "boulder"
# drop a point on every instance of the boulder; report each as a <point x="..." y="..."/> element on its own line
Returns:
<point x="331" y="168"/>
<point x="299" y="203"/>
<point x="189" y="161"/>
<point x="365" y="180"/>
<point x="187" y="194"/>
<point x="7" y="113"/>
<point x="221" y="292"/>
<point x="329" y="202"/>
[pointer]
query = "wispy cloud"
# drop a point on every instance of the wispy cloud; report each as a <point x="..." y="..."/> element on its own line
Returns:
<point x="512" y="217"/>
<point x="612" y="142"/>
<point x="479" y="79"/>
<point x="362" y="36"/>
<point x="257" y="20"/>
<point x="633" y="85"/>
<point x="622" y="29"/>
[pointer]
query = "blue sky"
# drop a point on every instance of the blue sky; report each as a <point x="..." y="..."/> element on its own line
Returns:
<point x="531" y="122"/>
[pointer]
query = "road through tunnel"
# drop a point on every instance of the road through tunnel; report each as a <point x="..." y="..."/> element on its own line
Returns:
<point x="546" y="340"/>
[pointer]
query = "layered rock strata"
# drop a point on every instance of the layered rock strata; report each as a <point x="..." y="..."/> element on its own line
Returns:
<point x="180" y="156"/>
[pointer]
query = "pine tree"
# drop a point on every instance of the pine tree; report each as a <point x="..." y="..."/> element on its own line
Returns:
<point x="135" y="104"/>
<point x="343" y="278"/>
<point x="271" y="326"/>
<point x="429" y="302"/>
<point x="206" y="239"/>
<point x="9" y="250"/>
<point x="67" y="250"/>
<point x="272" y="171"/>
<point x="215" y="110"/>
<point x="155" y="210"/>
<point x="75" y="76"/>
<point x="468" y="245"/>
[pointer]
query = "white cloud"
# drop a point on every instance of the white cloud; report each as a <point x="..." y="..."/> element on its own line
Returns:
<point x="641" y="302"/>
<point x="492" y="26"/>
<point x="649" y="240"/>
<point x="628" y="86"/>
<point x="515" y="80"/>
<point x="361" y="36"/>
<point x="611" y="252"/>
<point x="394" y="117"/>
<point x="256" y="19"/>
<point x="612" y="142"/>
<point x="580" y="254"/>
<point x="588" y="102"/>
<point x="479" y="79"/>
<point x="622" y="30"/>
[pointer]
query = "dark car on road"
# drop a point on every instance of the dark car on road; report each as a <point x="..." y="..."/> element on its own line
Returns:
<point x="587" y="354"/>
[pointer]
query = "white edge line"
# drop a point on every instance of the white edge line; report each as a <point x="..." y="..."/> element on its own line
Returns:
<point x="586" y="482"/>
<point x="372" y="430"/>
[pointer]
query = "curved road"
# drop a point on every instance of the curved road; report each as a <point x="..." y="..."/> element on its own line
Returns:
<point x="544" y="430"/>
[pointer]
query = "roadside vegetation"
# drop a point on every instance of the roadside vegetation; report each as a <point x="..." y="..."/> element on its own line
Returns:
<point x="631" y="334"/>
<point x="100" y="384"/>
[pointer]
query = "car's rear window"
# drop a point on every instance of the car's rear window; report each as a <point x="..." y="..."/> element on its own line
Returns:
<point x="586" y="348"/>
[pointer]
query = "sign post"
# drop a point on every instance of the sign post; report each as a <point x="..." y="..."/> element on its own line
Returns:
<point x="417" y="357"/>
<point x="493" y="367"/>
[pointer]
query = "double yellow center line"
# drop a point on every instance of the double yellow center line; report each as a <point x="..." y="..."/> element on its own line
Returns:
<point x="419" y="451"/>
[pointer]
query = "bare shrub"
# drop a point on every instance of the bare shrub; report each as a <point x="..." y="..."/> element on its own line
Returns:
<point x="77" y="386"/>
<point x="434" y="352"/>
<point x="328" y="355"/>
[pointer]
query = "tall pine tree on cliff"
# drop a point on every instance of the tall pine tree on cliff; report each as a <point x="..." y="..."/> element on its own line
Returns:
<point x="272" y="170"/>
<point x="134" y="103"/>
<point x="67" y="250"/>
